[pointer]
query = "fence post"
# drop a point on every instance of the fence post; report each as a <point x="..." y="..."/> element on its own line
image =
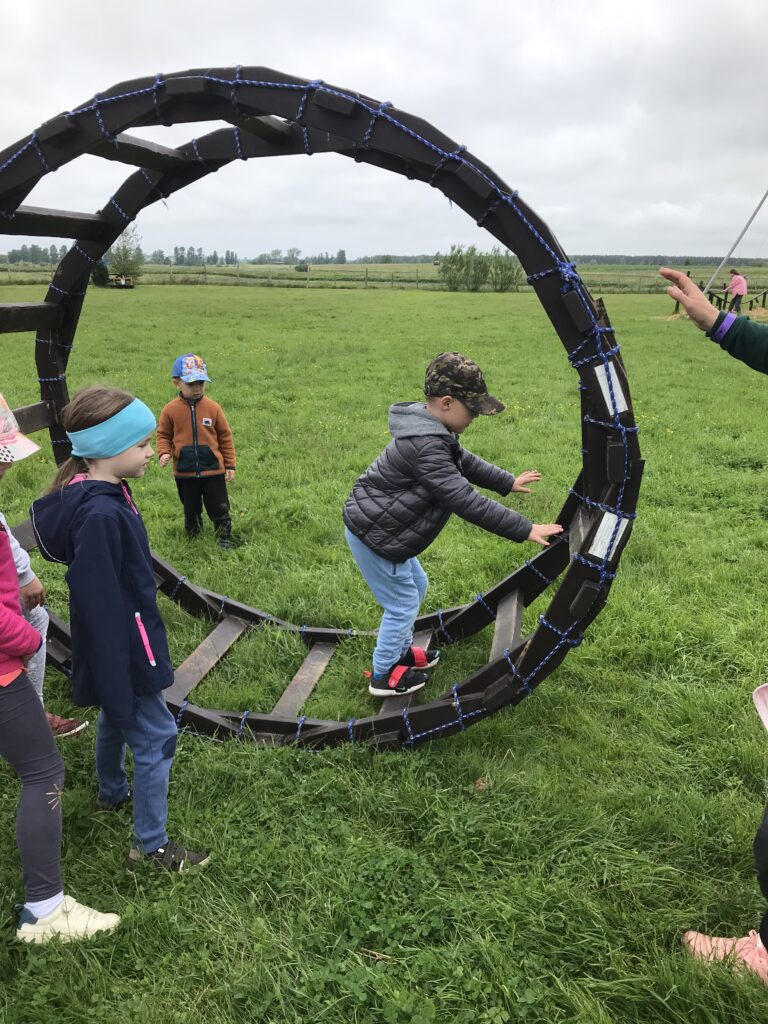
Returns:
<point x="677" y="304"/>
<point x="393" y="279"/>
<point x="366" y="275"/>
<point x="417" y="276"/>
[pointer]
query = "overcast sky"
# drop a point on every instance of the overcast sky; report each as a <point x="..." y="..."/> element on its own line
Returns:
<point x="630" y="128"/>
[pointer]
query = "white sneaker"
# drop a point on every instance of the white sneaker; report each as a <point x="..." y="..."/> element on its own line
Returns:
<point x="69" y="921"/>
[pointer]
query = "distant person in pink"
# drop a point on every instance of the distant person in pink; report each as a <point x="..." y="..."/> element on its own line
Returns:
<point x="737" y="287"/>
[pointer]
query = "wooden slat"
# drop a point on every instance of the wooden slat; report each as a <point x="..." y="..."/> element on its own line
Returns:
<point x="25" y="535"/>
<point x="127" y="149"/>
<point x="303" y="683"/>
<point x="578" y="530"/>
<point x="35" y="417"/>
<point x="509" y="621"/>
<point x="203" y="658"/>
<point x="29" y="316"/>
<point x="38" y="221"/>
<point x="422" y="639"/>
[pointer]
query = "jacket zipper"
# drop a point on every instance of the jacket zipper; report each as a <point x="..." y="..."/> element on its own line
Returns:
<point x="145" y="639"/>
<point x="192" y="409"/>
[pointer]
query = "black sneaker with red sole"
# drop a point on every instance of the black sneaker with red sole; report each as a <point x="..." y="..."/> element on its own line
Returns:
<point x="399" y="680"/>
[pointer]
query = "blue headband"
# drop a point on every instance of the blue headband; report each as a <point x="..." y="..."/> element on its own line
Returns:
<point x="115" y="435"/>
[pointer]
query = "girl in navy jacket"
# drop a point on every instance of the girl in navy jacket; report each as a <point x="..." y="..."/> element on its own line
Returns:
<point x="120" y="658"/>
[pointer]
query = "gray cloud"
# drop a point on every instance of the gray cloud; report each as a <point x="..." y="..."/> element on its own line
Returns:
<point x="630" y="128"/>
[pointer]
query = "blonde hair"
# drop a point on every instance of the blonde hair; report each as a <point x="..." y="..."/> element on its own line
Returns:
<point x="89" y="407"/>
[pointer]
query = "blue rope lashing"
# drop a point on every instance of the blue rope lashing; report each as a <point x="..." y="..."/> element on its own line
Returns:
<point x="305" y="99"/>
<point x="441" y="628"/>
<point x="51" y="380"/>
<point x="604" y="573"/>
<point x="241" y="726"/>
<point x="177" y="588"/>
<point x="80" y="251"/>
<point x="301" y="722"/>
<point x="303" y="633"/>
<point x="199" y="159"/>
<point x="372" y="123"/>
<point x="40" y="153"/>
<point x="305" y="140"/>
<point x="351" y="730"/>
<point x="182" y="709"/>
<point x="537" y="572"/>
<point x="63" y="291"/>
<point x="457" y="705"/>
<point x="483" y="604"/>
<point x="159" y="83"/>
<point x="221" y="608"/>
<point x="407" y="724"/>
<point x="120" y="210"/>
<point x="102" y="128"/>
<point x="238" y="146"/>
<point x="564" y="634"/>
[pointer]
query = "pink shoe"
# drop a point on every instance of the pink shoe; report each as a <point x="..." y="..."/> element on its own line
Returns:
<point x="708" y="947"/>
<point x="748" y="952"/>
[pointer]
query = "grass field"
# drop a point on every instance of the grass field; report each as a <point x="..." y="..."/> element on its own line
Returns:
<point x="617" y="806"/>
<point x="604" y="278"/>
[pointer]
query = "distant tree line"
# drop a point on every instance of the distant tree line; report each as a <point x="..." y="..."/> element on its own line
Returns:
<point x="37" y="254"/>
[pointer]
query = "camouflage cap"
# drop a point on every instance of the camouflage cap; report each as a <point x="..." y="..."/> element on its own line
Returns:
<point x="451" y="373"/>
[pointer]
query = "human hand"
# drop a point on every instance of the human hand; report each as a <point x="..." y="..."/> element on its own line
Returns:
<point x="530" y="476"/>
<point x="164" y="460"/>
<point x="229" y="474"/>
<point x="32" y="594"/>
<point x="693" y="300"/>
<point x="541" y="532"/>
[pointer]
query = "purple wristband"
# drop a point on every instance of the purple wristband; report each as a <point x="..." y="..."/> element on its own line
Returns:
<point x="724" y="327"/>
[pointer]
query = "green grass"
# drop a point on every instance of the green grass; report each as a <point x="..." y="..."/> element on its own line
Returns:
<point x="620" y="801"/>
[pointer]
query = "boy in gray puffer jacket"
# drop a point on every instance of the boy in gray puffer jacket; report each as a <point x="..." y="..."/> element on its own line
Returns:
<point x="405" y="498"/>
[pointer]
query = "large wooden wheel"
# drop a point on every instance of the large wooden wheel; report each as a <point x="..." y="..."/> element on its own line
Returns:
<point x="272" y="114"/>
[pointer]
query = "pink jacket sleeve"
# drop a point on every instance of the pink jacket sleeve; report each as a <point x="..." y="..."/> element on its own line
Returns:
<point x="17" y="637"/>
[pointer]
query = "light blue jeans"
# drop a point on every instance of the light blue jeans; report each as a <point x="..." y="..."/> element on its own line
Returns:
<point x="37" y="617"/>
<point x="152" y="741"/>
<point x="400" y="588"/>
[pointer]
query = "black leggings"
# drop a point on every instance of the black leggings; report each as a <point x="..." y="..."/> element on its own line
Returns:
<point x="27" y="744"/>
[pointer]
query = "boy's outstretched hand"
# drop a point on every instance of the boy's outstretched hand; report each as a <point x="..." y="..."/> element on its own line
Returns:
<point x="530" y="476"/>
<point x="693" y="300"/>
<point x="540" y="533"/>
<point x="164" y="460"/>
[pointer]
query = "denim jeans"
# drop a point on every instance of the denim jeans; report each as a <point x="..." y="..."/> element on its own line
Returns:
<point x="38" y="617"/>
<point x="400" y="588"/>
<point x="152" y="741"/>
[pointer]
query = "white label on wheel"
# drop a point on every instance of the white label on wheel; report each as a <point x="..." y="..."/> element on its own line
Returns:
<point x="618" y="394"/>
<point x="604" y="538"/>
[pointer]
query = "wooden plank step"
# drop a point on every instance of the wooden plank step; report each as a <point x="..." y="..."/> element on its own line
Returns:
<point x="203" y="658"/>
<point x="303" y="683"/>
<point x="128" y="149"/>
<point x="29" y="316"/>
<point x="509" y="623"/>
<point x="35" y="417"/>
<point x="422" y="639"/>
<point x="37" y="221"/>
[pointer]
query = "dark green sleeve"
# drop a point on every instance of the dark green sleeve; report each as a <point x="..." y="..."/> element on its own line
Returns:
<point x="744" y="340"/>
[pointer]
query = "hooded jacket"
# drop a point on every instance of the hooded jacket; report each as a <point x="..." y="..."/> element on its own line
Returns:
<point x="195" y="432"/>
<point x="119" y="643"/>
<point x="405" y="498"/>
<point x="17" y="638"/>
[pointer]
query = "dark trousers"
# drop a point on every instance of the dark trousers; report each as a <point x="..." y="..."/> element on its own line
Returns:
<point x="211" y="491"/>
<point x="760" y="849"/>
<point x="27" y="744"/>
<point x="735" y="304"/>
